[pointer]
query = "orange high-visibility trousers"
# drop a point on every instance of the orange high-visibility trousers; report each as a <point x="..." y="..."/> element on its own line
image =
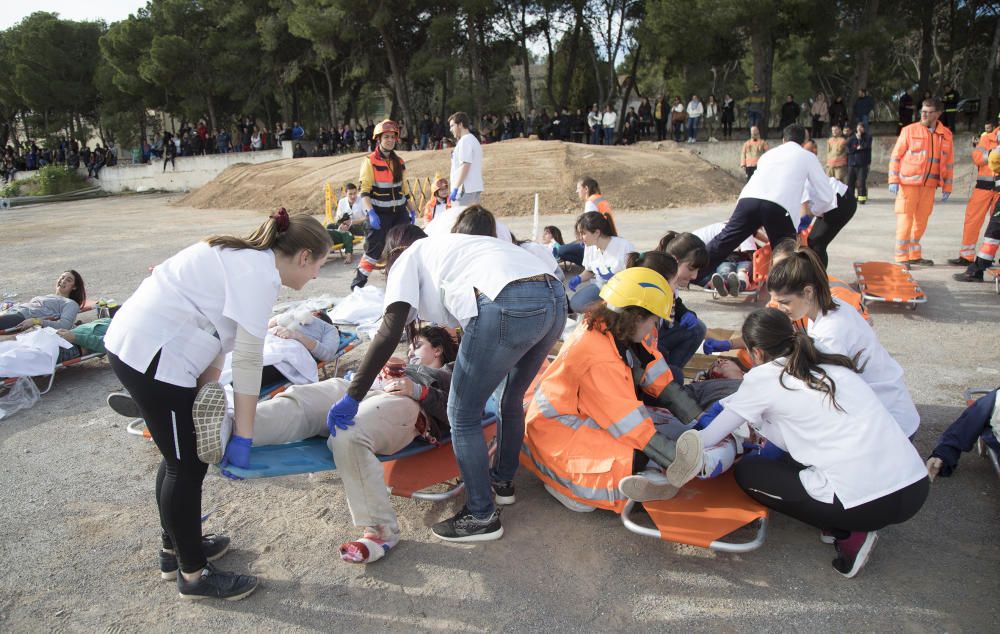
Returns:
<point x="914" y="205"/>
<point x="976" y="212"/>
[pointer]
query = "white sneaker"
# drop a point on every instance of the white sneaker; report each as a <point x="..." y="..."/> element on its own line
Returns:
<point x="688" y="457"/>
<point x="717" y="459"/>
<point x="209" y="415"/>
<point x="719" y="285"/>
<point x="647" y="486"/>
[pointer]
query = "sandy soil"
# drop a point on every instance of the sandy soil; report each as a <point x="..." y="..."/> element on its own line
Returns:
<point x="645" y="176"/>
<point x="78" y="536"/>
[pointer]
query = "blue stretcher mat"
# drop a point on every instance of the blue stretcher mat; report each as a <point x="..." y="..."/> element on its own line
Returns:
<point x="312" y="454"/>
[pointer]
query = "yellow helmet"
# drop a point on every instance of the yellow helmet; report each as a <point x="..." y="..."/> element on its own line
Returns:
<point x="438" y="179"/>
<point x="642" y="287"/>
<point x="386" y="125"/>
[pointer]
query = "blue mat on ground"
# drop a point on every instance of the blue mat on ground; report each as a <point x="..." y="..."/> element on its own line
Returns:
<point x="347" y="339"/>
<point x="312" y="454"/>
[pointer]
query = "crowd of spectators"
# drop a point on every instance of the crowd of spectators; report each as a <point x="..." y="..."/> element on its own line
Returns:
<point x="27" y="156"/>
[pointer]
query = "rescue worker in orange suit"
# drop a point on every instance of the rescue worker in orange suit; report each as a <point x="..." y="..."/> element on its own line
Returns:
<point x="385" y="195"/>
<point x="922" y="161"/>
<point x="438" y="201"/>
<point x="587" y="417"/>
<point x="982" y="201"/>
<point x="991" y="240"/>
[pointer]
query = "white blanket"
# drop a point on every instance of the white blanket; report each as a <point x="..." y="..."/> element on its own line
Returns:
<point x="33" y="353"/>
<point x="287" y="355"/>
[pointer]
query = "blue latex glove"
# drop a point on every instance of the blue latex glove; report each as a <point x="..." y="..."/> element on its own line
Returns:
<point x="574" y="282"/>
<point x="894" y="189"/>
<point x="689" y="320"/>
<point x="413" y="217"/>
<point x="453" y="196"/>
<point x="716" y="345"/>
<point x="945" y="196"/>
<point x="709" y="415"/>
<point x="373" y="220"/>
<point x="237" y="454"/>
<point x="341" y="415"/>
<point x="804" y="223"/>
<point x="605" y="276"/>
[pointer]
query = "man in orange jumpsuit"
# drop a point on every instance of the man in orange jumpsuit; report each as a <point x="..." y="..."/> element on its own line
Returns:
<point x="922" y="161"/>
<point x="984" y="198"/>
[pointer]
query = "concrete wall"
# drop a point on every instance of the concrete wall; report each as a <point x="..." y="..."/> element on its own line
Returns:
<point x="191" y="171"/>
<point x="726" y="154"/>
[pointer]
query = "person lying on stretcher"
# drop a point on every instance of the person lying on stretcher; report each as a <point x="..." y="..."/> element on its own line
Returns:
<point x="408" y="401"/>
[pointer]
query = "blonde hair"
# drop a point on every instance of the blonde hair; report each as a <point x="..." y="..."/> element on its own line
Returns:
<point x="283" y="233"/>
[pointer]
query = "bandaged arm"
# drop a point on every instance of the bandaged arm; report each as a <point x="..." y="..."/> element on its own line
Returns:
<point x="724" y="424"/>
<point x="248" y="361"/>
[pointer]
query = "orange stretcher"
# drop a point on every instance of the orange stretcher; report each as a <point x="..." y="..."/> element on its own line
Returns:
<point x="702" y="514"/>
<point x="888" y="282"/>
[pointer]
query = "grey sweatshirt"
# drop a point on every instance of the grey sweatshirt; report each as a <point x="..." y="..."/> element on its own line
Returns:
<point x="62" y="309"/>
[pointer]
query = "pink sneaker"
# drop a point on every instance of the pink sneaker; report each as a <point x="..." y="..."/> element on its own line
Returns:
<point x="853" y="552"/>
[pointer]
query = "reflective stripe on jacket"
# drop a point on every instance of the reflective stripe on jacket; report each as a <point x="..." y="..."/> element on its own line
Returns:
<point x="923" y="157"/>
<point x="584" y="420"/>
<point x="388" y="192"/>
<point x="981" y="157"/>
<point x="601" y="203"/>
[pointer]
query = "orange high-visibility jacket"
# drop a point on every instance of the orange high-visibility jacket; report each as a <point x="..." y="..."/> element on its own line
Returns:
<point x="432" y="205"/>
<point x="981" y="156"/>
<point x="584" y="420"/>
<point x="843" y="291"/>
<point x="923" y="157"/>
<point x="600" y="202"/>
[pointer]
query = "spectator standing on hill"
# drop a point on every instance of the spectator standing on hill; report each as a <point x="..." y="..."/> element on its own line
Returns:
<point x="753" y="149"/>
<point x="438" y="132"/>
<point x="425" y="131"/>
<point x="466" y="163"/>
<point x="678" y="116"/>
<point x="695" y="111"/>
<point x="950" y="99"/>
<point x="645" y="117"/>
<point x="169" y="151"/>
<point x="712" y="118"/>
<point x="755" y="107"/>
<point x="790" y="112"/>
<point x="905" y="111"/>
<point x="820" y="112"/>
<point x="594" y="123"/>
<point x="661" y="111"/>
<point x="728" y="116"/>
<point x="859" y="160"/>
<point x="222" y="142"/>
<point x="609" y="120"/>
<point x="863" y="108"/>
<point x="838" y="112"/>
<point x="297" y="131"/>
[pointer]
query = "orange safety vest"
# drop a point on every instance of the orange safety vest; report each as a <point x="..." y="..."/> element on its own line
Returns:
<point x="836" y="152"/>
<point x="584" y="420"/>
<point x="981" y="156"/>
<point x="923" y="157"/>
<point x="432" y="205"/>
<point x="601" y="203"/>
<point x="388" y="192"/>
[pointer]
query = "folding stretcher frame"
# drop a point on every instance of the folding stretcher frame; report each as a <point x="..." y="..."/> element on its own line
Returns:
<point x="971" y="395"/>
<point x="888" y="282"/>
<point x="761" y="267"/>
<point x="408" y="472"/>
<point x="702" y="514"/>
<point x="995" y="272"/>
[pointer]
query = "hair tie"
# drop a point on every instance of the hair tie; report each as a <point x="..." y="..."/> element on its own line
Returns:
<point x="281" y="220"/>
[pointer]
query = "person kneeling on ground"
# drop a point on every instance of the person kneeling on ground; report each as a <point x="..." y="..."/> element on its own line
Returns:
<point x="406" y="402"/>
<point x="585" y="421"/>
<point x="849" y="468"/>
<point x="979" y="420"/>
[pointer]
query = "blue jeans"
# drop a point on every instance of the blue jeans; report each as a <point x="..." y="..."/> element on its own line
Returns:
<point x="502" y="350"/>
<point x="727" y="267"/>
<point x="693" y="127"/>
<point x="961" y="435"/>
<point x="595" y="135"/>
<point x="678" y="344"/>
<point x="584" y="297"/>
<point x="424" y="140"/>
<point x="753" y="118"/>
<point x="609" y="136"/>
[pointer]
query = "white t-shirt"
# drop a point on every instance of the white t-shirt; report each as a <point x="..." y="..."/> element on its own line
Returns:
<point x="468" y="150"/>
<point x="858" y="454"/>
<point x="781" y="176"/>
<point x="844" y="331"/>
<point x="708" y="232"/>
<point x="839" y="189"/>
<point x="544" y="254"/>
<point x="356" y="211"/>
<point x="189" y="308"/>
<point x="445" y="219"/>
<point x="438" y="276"/>
<point x="611" y="259"/>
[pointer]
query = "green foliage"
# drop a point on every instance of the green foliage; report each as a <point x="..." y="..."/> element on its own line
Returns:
<point x="56" y="179"/>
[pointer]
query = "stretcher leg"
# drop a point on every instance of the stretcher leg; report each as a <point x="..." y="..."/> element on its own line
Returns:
<point x="718" y="545"/>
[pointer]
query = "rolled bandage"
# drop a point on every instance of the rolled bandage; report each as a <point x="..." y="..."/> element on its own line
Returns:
<point x="248" y="361"/>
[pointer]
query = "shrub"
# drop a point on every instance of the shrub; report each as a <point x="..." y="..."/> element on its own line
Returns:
<point x="57" y="179"/>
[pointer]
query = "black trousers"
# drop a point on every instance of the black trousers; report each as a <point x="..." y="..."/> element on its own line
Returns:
<point x="166" y="408"/>
<point x="857" y="180"/>
<point x="749" y="215"/>
<point x="661" y="129"/>
<point x="375" y="238"/>
<point x="826" y="227"/>
<point x="776" y="485"/>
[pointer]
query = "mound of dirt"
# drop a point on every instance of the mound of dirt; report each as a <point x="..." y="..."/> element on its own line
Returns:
<point x="643" y="176"/>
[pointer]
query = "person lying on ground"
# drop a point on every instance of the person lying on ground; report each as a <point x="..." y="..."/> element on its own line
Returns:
<point x="58" y="310"/>
<point x="979" y="420"/>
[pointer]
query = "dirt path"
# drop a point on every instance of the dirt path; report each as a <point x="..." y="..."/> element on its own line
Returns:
<point x="78" y="534"/>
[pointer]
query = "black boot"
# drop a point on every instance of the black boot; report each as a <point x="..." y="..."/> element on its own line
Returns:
<point x="360" y="279"/>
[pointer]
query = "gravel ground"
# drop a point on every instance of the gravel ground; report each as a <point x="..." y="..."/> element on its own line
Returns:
<point x="79" y="532"/>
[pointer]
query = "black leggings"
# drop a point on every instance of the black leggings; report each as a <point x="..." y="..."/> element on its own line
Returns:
<point x="166" y="408"/>
<point x="776" y="485"/>
<point x="10" y="319"/>
<point x="826" y="227"/>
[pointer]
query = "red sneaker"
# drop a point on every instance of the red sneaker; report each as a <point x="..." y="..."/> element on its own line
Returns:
<point x="853" y="552"/>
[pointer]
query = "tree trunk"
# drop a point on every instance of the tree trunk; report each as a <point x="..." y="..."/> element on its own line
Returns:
<point x="628" y="89"/>
<point x="601" y="95"/>
<point x="571" y="58"/>
<point x="211" y="111"/>
<point x="331" y="102"/>
<point x="926" y="48"/>
<point x="549" y="62"/>
<point x="986" y="88"/>
<point x="762" y="45"/>
<point x="868" y="17"/>
<point x="475" y="68"/>
<point x="529" y="99"/>
<point x="398" y="76"/>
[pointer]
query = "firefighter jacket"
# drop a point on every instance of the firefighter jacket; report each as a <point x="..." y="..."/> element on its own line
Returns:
<point x="923" y="157"/>
<point x="388" y="192"/>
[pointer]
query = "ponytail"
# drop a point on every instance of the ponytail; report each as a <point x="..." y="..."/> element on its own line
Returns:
<point x="283" y="233"/>
<point x="771" y="332"/>
<point x="611" y="223"/>
<point x="800" y="269"/>
<point x="596" y="221"/>
<point x="662" y="263"/>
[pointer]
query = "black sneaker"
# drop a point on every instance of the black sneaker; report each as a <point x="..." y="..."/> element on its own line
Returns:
<point x="959" y="262"/>
<point x="214" y="546"/>
<point x="465" y="527"/>
<point x="216" y="584"/>
<point x="359" y="281"/>
<point x="922" y="262"/>
<point x="503" y="493"/>
<point x="965" y="276"/>
<point x="122" y="403"/>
